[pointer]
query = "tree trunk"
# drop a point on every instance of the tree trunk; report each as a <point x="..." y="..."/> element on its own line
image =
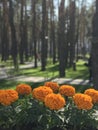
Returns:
<point x="26" y="33"/>
<point x="34" y="32"/>
<point x="5" y="30"/>
<point x="62" y="44"/>
<point x="94" y="53"/>
<point x="43" y="37"/>
<point x="13" y="35"/>
<point x="52" y="33"/>
<point x="21" y="48"/>
<point x="72" y="34"/>
<point x="0" y="28"/>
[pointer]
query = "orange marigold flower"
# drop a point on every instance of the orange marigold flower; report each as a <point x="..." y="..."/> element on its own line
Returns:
<point x="83" y="101"/>
<point x="54" y="101"/>
<point x="67" y="90"/>
<point x="53" y="85"/>
<point x="8" y="96"/>
<point x="41" y="92"/>
<point x="93" y="93"/>
<point x="23" y="89"/>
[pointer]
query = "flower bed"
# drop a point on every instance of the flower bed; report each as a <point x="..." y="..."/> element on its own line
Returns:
<point x="48" y="107"/>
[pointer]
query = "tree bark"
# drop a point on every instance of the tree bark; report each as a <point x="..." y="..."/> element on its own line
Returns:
<point x="34" y="32"/>
<point x="21" y="47"/>
<point x="14" y="50"/>
<point x="26" y="33"/>
<point x="5" y="32"/>
<point x="94" y="54"/>
<point x="72" y="34"/>
<point x="62" y="42"/>
<point x="43" y="37"/>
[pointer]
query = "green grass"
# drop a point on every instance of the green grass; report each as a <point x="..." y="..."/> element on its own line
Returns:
<point x="82" y="71"/>
<point x="6" y="84"/>
<point x="81" y="88"/>
<point x="52" y="71"/>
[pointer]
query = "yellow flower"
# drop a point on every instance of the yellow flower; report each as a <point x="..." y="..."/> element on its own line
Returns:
<point x="67" y="90"/>
<point x="54" y="101"/>
<point x="53" y="85"/>
<point x="93" y="93"/>
<point x="8" y="96"/>
<point x="23" y="89"/>
<point x="41" y="92"/>
<point x="83" y="101"/>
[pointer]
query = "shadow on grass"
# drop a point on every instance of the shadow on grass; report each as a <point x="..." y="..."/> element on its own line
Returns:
<point x="53" y="68"/>
<point x="6" y="84"/>
<point x="82" y="88"/>
<point x="83" y="74"/>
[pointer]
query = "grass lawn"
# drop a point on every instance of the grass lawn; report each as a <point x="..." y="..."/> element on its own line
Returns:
<point x="81" y="73"/>
<point x="52" y="72"/>
<point x="5" y="84"/>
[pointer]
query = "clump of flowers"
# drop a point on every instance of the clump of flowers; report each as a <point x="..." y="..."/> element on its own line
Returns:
<point x="48" y="106"/>
<point x="53" y="85"/>
<point x="83" y="101"/>
<point x="67" y="90"/>
<point x="41" y="92"/>
<point x="8" y="96"/>
<point x="54" y="101"/>
<point x="93" y="93"/>
<point x="23" y="89"/>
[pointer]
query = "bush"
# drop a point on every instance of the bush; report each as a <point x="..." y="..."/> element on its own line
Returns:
<point x="45" y="109"/>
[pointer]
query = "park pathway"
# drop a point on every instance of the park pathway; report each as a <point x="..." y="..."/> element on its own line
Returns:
<point x="43" y="79"/>
<point x="24" y="78"/>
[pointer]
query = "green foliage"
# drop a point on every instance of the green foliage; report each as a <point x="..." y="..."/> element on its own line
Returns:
<point x="29" y="113"/>
<point x="6" y="116"/>
<point x="32" y="114"/>
<point x="76" y="119"/>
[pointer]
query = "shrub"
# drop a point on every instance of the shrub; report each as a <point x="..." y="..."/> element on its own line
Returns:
<point x="45" y="109"/>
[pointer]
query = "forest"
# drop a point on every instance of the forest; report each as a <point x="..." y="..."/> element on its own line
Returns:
<point x="62" y="31"/>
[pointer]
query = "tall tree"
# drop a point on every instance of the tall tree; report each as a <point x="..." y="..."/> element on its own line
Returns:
<point x="26" y="32"/>
<point x="14" y="50"/>
<point x="43" y="37"/>
<point x="62" y="41"/>
<point x="94" y="54"/>
<point x="72" y="33"/>
<point x="5" y="30"/>
<point x="0" y="27"/>
<point x="21" y="48"/>
<point x="83" y="28"/>
<point x="52" y="32"/>
<point x="34" y="32"/>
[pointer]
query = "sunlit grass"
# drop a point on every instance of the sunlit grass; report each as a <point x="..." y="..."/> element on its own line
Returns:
<point x="52" y="71"/>
<point x="81" y="72"/>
